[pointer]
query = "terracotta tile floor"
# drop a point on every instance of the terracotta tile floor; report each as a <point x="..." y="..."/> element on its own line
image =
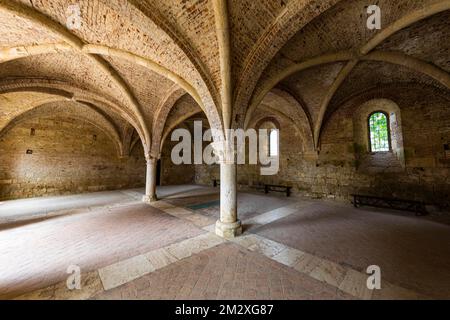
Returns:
<point x="226" y="272"/>
<point x="412" y="252"/>
<point x="293" y="249"/>
<point x="37" y="255"/>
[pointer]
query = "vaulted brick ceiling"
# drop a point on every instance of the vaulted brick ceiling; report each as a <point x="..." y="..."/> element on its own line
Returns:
<point x="134" y="60"/>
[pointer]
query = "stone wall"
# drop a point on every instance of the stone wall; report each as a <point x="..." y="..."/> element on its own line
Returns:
<point x="66" y="156"/>
<point x="336" y="171"/>
<point x="426" y="173"/>
<point x="205" y="175"/>
<point x="172" y="174"/>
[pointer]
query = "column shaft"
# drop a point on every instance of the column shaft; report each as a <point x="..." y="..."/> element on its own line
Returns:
<point x="228" y="226"/>
<point x="150" y="183"/>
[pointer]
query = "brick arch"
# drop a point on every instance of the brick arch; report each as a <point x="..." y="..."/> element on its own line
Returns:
<point x="62" y="91"/>
<point x="303" y="125"/>
<point x="97" y="52"/>
<point x="275" y="117"/>
<point x="180" y="120"/>
<point x="134" y="143"/>
<point x="296" y="15"/>
<point x="390" y="91"/>
<point x="162" y="113"/>
<point x="127" y="139"/>
<point x="207" y="85"/>
<point x="270" y="119"/>
<point x="361" y="54"/>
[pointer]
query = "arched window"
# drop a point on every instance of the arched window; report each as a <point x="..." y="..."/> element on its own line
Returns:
<point x="379" y="133"/>
<point x="273" y="143"/>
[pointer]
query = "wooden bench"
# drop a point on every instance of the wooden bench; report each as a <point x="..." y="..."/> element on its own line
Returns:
<point x="398" y="204"/>
<point x="264" y="187"/>
<point x="277" y="188"/>
<point x="258" y="187"/>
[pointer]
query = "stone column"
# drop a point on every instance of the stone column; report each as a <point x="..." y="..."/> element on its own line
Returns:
<point x="150" y="183"/>
<point x="228" y="226"/>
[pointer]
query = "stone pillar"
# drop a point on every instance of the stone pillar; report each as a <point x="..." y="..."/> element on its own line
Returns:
<point x="150" y="183"/>
<point x="228" y="226"/>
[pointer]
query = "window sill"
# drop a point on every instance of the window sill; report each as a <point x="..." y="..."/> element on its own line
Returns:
<point x="380" y="152"/>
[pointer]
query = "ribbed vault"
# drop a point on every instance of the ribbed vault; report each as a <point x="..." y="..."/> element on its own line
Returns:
<point x="140" y="58"/>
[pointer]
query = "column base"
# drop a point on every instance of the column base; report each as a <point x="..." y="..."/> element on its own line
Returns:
<point x="149" y="199"/>
<point x="228" y="230"/>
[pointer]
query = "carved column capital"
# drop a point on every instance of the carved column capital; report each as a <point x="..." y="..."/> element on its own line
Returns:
<point x="225" y="151"/>
<point x="150" y="159"/>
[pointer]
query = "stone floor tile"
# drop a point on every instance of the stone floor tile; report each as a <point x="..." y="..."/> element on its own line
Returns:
<point x="307" y="263"/>
<point x="329" y="272"/>
<point x="160" y="258"/>
<point x="162" y="205"/>
<point x="355" y="283"/>
<point x="194" y="245"/>
<point x="246" y="241"/>
<point x="91" y="285"/>
<point x="288" y="256"/>
<point x="182" y="249"/>
<point x="271" y="216"/>
<point x="125" y="271"/>
<point x="211" y="239"/>
<point x="211" y="228"/>
<point x="267" y="247"/>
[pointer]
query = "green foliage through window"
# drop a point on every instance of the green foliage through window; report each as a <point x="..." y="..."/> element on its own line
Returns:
<point x="379" y="132"/>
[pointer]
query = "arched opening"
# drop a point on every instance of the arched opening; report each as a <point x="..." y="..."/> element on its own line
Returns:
<point x="283" y="141"/>
<point x="270" y="147"/>
<point x="379" y="132"/>
<point x="274" y="140"/>
<point x="158" y="173"/>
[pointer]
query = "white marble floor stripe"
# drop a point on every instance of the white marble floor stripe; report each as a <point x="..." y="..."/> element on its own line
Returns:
<point x="272" y="216"/>
<point x="341" y="277"/>
<point x="124" y="271"/>
<point x="128" y="270"/>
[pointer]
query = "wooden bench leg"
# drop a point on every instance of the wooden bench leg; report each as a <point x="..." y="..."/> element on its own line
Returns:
<point x="355" y="202"/>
